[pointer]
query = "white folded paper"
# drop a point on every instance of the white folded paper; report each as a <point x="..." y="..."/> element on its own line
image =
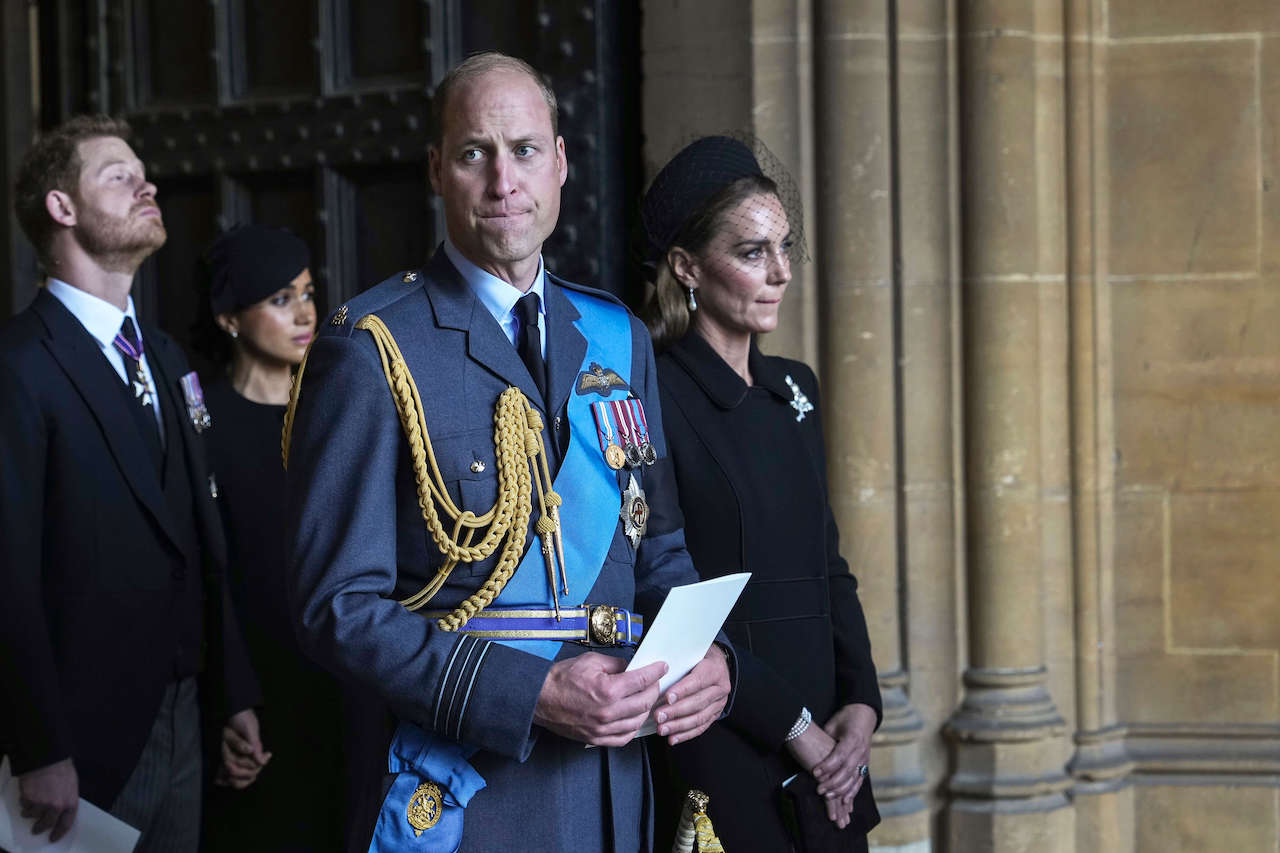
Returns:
<point x="94" y="831"/>
<point x="684" y="629"/>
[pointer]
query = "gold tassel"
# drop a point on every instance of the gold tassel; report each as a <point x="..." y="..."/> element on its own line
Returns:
<point x="695" y="827"/>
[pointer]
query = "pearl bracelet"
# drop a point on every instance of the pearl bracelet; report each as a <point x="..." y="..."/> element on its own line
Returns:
<point x="800" y="726"/>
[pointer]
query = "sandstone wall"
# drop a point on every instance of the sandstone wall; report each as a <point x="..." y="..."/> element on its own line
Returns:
<point x="1045" y="306"/>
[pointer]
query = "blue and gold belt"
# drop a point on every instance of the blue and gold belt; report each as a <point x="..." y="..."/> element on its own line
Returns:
<point x="596" y="625"/>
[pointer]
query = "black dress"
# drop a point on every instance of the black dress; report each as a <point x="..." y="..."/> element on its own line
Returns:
<point x="296" y="802"/>
<point x="751" y="471"/>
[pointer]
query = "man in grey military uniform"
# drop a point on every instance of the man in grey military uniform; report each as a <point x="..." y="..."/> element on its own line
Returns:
<point x="483" y="723"/>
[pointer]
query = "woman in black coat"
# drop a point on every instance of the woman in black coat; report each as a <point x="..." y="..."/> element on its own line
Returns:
<point x="786" y="769"/>
<point x="260" y="320"/>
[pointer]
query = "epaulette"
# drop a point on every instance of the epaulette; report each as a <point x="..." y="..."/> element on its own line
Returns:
<point x="342" y="323"/>
<point x="343" y="320"/>
<point x="589" y="291"/>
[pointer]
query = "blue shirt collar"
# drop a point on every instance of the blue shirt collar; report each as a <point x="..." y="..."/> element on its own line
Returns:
<point x="99" y="317"/>
<point x="497" y="295"/>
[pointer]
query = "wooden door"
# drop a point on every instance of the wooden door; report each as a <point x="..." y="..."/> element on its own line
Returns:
<point x="315" y="115"/>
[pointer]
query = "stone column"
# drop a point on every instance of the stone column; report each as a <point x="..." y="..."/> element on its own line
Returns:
<point x="782" y="117"/>
<point x="1009" y="780"/>
<point x="1100" y="768"/>
<point x="928" y="319"/>
<point x="855" y="266"/>
<point x="723" y="65"/>
<point x="697" y="73"/>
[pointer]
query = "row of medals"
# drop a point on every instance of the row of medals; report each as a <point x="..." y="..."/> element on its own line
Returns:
<point x="631" y="454"/>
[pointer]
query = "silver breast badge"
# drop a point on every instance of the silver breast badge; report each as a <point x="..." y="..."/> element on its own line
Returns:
<point x="634" y="513"/>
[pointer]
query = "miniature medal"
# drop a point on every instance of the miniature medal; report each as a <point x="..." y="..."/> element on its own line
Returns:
<point x="634" y="512"/>
<point x="141" y="385"/>
<point x="613" y="454"/>
<point x="648" y="452"/>
<point x="197" y="412"/>
<point x="635" y="453"/>
<point x="629" y="443"/>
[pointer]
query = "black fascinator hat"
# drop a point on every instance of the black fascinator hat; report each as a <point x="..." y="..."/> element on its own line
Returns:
<point x="700" y="171"/>
<point x="250" y="262"/>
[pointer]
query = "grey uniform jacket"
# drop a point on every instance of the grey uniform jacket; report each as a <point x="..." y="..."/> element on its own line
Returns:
<point x="358" y="543"/>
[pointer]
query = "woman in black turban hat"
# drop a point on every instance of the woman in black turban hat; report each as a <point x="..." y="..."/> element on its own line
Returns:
<point x="261" y="298"/>
<point x="786" y="769"/>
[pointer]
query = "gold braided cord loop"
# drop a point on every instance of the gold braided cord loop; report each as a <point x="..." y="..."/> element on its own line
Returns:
<point x="503" y="525"/>
<point x="287" y="432"/>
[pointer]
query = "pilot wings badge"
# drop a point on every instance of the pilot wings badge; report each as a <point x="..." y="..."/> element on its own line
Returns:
<point x="600" y="380"/>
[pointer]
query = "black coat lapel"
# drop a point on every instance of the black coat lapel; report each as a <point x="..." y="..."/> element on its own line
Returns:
<point x="167" y="370"/>
<point x="457" y="307"/>
<point x="82" y="360"/>
<point x="566" y="347"/>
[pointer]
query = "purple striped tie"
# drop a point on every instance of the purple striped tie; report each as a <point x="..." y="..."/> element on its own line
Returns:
<point x="126" y="341"/>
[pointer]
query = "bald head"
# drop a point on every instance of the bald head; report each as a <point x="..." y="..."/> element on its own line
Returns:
<point x="473" y="68"/>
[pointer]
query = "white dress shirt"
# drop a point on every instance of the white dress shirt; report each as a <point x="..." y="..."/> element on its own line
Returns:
<point x="500" y="297"/>
<point x="102" y="320"/>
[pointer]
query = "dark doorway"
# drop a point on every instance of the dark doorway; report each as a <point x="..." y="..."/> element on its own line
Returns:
<point x="314" y="115"/>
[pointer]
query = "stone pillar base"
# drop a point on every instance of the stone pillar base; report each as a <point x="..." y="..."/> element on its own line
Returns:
<point x="1033" y="825"/>
<point x="895" y="764"/>
<point x="1105" y="821"/>
<point x="925" y="846"/>
<point x="1009" y="787"/>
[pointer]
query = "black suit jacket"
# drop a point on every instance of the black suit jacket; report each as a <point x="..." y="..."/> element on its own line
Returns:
<point x="99" y="567"/>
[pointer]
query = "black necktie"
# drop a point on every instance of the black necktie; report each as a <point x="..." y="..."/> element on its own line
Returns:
<point x="529" y="342"/>
<point x="139" y="389"/>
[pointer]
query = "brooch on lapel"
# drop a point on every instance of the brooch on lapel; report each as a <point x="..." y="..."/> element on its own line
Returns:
<point x="600" y="380"/>
<point x="194" y="395"/>
<point x="799" y="401"/>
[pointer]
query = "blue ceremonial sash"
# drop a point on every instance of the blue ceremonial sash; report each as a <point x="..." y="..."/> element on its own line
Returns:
<point x="589" y="520"/>
<point x="589" y="515"/>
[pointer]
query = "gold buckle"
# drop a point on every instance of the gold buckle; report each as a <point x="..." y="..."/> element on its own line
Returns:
<point x="602" y="625"/>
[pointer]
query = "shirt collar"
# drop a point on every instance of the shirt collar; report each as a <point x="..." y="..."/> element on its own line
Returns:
<point x="720" y="382"/>
<point x="99" y="317"/>
<point x="498" y="296"/>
